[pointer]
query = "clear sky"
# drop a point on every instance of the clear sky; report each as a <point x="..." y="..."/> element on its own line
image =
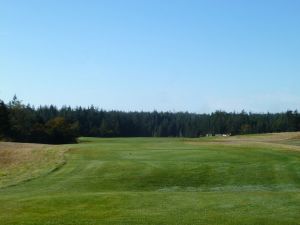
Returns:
<point x="195" y="56"/>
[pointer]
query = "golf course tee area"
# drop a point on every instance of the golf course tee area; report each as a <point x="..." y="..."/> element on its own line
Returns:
<point x="236" y="180"/>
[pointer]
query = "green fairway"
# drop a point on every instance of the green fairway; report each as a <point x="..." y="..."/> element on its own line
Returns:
<point x="253" y="179"/>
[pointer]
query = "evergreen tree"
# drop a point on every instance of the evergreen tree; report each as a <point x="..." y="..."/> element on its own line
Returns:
<point x="4" y="120"/>
<point x="48" y="124"/>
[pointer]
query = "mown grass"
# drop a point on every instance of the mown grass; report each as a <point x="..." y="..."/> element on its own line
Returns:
<point x="234" y="180"/>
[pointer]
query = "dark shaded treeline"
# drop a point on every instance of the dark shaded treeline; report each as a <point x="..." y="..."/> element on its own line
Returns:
<point x="48" y="124"/>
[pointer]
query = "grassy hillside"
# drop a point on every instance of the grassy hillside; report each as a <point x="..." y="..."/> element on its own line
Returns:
<point x="22" y="162"/>
<point x="253" y="179"/>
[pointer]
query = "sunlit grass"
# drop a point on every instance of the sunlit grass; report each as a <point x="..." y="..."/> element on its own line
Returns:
<point x="164" y="181"/>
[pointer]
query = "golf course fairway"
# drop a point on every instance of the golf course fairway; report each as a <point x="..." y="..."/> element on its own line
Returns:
<point x="238" y="180"/>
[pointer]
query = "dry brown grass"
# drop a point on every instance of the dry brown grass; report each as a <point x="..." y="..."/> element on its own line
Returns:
<point x="23" y="161"/>
<point x="13" y="154"/>
<point x="270" y="137"/>
<point x="276" y="140"/>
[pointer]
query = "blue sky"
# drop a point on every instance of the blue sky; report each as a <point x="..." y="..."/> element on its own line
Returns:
<point x="196" y="56"/>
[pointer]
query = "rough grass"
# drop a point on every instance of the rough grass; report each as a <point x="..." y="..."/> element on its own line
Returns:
<point x="21" y="162"/>
<point x="226" y="180"/>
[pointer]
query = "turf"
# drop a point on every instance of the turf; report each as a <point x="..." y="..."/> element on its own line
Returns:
<point x="227" y="180"/>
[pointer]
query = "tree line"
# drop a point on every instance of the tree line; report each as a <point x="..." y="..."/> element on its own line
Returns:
<point x="50" y="124"/>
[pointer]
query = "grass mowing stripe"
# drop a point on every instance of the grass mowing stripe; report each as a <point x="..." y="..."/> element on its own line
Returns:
<point x="236" y="180"/>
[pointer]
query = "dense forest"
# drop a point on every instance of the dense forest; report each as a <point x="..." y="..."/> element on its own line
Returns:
<point x="49" y="124"/>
